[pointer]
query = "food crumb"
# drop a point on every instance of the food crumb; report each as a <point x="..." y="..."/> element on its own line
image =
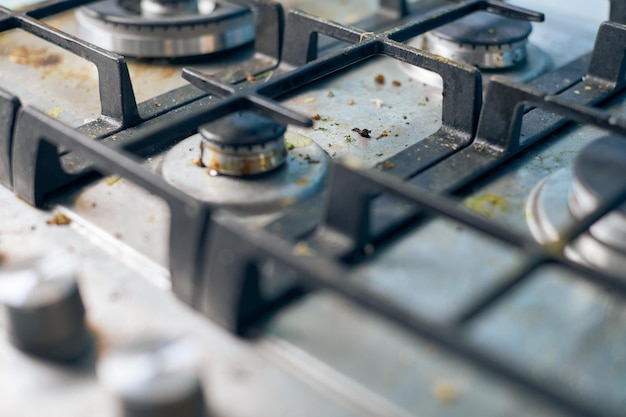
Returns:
<point x="396" y="83"/>
<point x="112" y="180"/>
<point x="386" y="166"/>
<point x="350" y="102"/>
<point x="302" y="181"/>
<point x="330" y="94"/>
<point x="380" y="79"/>
<point x="311" y="160"/>
<point x="290" y="146"/>
<point x="308" y="100"/>
<point x="377" y="102"/>
<point x="445" y="392"/>
<point x="250" y="78"/>
<point x="348" y="138"/>
<point x="301" y="248"/>
<point x="316" y="117"/>
<point x="59" y="219"/>
<point x="384" y="134"/>
<point x="363" y="132"/>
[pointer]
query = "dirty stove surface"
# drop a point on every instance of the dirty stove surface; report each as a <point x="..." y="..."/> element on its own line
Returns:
<point x="321" y="355"/>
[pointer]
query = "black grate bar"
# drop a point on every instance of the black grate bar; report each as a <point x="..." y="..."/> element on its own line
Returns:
<point x="450" y="13"/>
<point x="117" y="98"/>
<point x="318" y="273"/>
<point x="37" y="169"/>
<point x="301" y="36"/>
<point x="243" y="98"/>
<point x="394" y="9"/>
<point x="513" y="12"/>
<point x="50" y="8"/>
<point x="607" y="66"/>
<point x="9" y="105"/>
<point x="618" y="11"/>
<point x="268" y="43"/>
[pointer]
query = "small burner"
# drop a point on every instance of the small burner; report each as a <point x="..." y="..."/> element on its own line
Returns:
<point x="496" y="45"/>
<point x="243" y="144"/>
<point x="482" y="39"/>
<point x="248" y="164"/>
<point x="165" y="28"/>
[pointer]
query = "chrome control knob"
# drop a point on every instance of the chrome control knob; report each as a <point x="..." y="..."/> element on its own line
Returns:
<point x="155" y="378"/>
<point x="44" y="309"/>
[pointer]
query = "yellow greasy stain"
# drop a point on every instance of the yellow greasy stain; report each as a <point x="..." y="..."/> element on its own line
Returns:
<point x="55" y="112"/>
<point x="486" y="204"/>
<point x="296" y="140"/>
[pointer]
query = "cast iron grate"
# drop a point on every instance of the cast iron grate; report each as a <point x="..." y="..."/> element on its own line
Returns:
<point x="229" y="292"/>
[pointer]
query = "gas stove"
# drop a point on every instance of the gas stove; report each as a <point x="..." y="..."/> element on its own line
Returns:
<point x="252" y="208"/>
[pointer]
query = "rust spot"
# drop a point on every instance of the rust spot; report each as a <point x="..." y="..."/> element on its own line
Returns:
<point x="35" y="57"/>
<point x="302" y="181"/>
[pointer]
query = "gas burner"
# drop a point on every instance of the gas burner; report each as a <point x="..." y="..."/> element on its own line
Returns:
<point x="567" y="197"/>
<point x="482" y="39"/>
<point x="496" y="45"/>
<point x="166" y="28"/>
<point x="241" y="162"/>
<point x="243" y="144"/>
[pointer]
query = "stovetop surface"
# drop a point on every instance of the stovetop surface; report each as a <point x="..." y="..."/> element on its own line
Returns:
<point x="321" y="355"/>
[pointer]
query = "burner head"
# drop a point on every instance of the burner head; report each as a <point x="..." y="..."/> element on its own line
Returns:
<point x="243" y="144"/>
<point x="482" y="39"/>
<point x="175" y="7"/>
<point x="165" y="28"/>
<point x="598" y="175"/>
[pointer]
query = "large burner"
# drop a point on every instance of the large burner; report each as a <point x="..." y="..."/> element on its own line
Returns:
<point x="566" y="197"/>
<point x="166" y="28"/>
<point x="496" y="45"/>
<point x="599" y="175"/>
<point x="482" y="39"/>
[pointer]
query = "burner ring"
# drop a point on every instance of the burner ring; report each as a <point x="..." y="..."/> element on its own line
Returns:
<point x="482" y="39"/>
<point x="303" y="176"/>
<point x="549" y="214"/>
<point x="119" y="27"/>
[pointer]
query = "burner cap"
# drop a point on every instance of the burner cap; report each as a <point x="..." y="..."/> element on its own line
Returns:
<point x="243" y="144"/>
<point x="482" y="39"/>
<point x="598" y="175"/>
<point x="165" y="28"/>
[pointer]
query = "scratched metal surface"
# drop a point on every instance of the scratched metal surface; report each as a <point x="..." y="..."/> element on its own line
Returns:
<point x="321" y="357"/>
